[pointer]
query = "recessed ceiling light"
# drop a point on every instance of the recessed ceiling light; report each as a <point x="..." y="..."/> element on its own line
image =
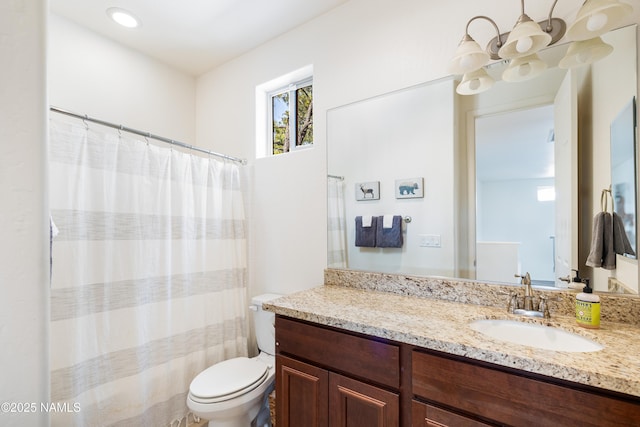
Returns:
<point x="123" y="17"/>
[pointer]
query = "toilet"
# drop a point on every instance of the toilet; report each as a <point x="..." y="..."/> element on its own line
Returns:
<point x="231" y="393"/>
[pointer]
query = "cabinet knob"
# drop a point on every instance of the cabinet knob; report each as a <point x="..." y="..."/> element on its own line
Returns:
<point x="277" y="343"/>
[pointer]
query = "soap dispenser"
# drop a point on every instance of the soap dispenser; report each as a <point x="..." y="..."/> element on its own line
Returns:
<point x="575" y="282"/>
<point x="588" y="307"/>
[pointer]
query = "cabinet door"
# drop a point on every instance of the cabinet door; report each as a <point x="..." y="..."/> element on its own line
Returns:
<point x="424" y="415"/>
<point x="301" y="394"/>
<point x="356" y="404"/>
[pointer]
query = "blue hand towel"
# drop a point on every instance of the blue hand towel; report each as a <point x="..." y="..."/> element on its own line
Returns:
<point x="389" y="237"/>
<point x="366" y="236"/>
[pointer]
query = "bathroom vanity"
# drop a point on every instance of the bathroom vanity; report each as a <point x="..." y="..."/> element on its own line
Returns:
<point x="360" y="357"/>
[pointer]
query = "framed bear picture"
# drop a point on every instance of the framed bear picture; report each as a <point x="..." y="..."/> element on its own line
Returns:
<point x="409" y="188"/>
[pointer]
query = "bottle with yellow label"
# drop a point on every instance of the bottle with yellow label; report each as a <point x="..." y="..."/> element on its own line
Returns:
<point x="588" y="308"/>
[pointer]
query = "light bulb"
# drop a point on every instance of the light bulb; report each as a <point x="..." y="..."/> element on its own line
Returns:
<point x="524" y="69"/>
<point x="474" y="84"/>
<point x="597" y="21"/>
<point x="524" y="44"/>
<point x="583" y="56"/>
<point x="466" y="63"/>
<point x="123" y="17"/>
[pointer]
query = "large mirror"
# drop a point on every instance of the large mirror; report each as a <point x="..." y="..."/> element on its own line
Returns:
<point x="499" y="172"/>
<point x="623" y="174"/>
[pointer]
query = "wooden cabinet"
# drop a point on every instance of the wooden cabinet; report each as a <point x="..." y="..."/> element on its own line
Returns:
<point x="515" y="398"/>
<point x="329" y="378"/>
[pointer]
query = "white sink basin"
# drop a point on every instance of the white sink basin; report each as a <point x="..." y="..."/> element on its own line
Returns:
<point x="534" y="335"/>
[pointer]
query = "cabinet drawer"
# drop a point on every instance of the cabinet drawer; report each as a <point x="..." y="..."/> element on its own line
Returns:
<point x="514" y="399"/>
<point x="359" y="357"/>
<point x="423" y="415"/>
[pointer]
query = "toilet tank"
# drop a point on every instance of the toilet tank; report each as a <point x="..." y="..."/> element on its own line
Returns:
<point x="264" y="323"/>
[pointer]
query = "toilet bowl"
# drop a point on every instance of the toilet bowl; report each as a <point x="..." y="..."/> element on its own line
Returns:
<point x="231" y="393"/>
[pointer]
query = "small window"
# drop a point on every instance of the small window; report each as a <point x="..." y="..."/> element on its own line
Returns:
<point x="291" y="117"/>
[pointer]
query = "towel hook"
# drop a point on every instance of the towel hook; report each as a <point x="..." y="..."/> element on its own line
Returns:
<point x="604" y="200"/>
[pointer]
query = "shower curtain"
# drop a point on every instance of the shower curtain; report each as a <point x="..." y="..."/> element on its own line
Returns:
<point x="337" y="226"/>
<point x="148" y="277"/>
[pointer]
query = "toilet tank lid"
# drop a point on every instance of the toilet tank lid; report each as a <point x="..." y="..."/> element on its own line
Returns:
<point x="259" y="299"/>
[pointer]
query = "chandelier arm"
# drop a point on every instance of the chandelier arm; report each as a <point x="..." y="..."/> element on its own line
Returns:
<point x="549" y="22"/>
<point x="488" y="19"/>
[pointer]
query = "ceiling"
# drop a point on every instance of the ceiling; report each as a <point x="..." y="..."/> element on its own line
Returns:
<point x="195" y="36"/>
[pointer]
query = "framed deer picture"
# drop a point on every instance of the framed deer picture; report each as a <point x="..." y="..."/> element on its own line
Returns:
<point x="367" y="190"/>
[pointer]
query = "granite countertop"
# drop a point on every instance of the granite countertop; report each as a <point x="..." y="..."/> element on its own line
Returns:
<point x="444" y="326"/>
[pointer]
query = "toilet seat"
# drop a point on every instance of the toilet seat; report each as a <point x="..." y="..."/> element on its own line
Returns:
<point x="228" y="379"/>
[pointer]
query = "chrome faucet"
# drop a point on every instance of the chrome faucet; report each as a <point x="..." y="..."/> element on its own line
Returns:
<point x="528" y="307"/>
<point x="528" y="292"/>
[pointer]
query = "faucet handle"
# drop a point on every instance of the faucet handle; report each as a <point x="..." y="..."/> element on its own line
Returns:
<point x="513" y="302"/>
<point x="543" y="306"/>
<point x="525" y="280"/>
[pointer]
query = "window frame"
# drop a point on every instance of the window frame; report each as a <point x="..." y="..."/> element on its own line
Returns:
<point x="291" y="89"/>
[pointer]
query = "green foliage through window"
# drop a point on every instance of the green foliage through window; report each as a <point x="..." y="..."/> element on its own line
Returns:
<point x="304" y="131"/>
<point x="292" y="124"/>
<point x="280" y="109"/>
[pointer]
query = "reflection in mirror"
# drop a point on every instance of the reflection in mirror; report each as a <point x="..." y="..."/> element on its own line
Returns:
<point x="515" y="196"/>
<point x="396" y="137"/>
<point x="517" y="165"/>
<point x="428" y="132"/>
<point x="623" y="172"/>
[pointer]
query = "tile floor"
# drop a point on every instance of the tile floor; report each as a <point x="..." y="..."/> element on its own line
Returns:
<point x="272" y="407"/>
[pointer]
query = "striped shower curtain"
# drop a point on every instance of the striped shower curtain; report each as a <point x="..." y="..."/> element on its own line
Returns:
<point x="148" y="279"/>
<point x="336" y="224"/>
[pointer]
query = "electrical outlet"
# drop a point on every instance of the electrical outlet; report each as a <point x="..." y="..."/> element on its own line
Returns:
<point x="429" y="240"/>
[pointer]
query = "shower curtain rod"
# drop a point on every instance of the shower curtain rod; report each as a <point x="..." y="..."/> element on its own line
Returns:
<point x="146" y="134"/>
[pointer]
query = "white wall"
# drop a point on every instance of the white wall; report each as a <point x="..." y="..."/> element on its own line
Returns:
<point x="24" y="264"/>
<point x="361" y="49"/>
<point x="89" y="74"/>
